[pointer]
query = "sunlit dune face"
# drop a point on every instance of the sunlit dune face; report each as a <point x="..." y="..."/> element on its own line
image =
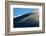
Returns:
<point x="35" y="16"/>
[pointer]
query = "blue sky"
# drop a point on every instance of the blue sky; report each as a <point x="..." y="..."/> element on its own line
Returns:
<point x="21" y="11"/>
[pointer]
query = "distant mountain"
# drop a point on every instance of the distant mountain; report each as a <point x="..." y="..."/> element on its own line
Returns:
<point x="26" y="20"/>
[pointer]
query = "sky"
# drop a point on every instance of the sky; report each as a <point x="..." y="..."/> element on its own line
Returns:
<point x="21" y="11"/>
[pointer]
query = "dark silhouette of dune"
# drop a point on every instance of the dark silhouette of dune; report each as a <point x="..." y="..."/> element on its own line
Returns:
<point x="25" y="20"/>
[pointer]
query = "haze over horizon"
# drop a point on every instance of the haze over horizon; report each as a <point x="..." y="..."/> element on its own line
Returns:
<point x="22" y="11"/>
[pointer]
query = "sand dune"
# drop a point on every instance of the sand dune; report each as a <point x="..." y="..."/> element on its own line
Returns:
<point x="27" y="20"/>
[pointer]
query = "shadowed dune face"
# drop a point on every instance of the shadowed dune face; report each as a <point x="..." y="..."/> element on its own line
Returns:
<point x="27" y="20"/>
